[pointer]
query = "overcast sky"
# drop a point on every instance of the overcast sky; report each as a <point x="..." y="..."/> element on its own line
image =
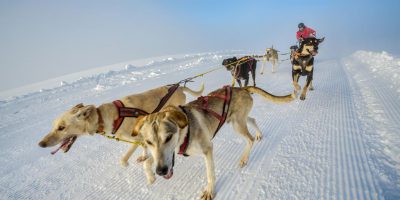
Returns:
<point x="45" y="39"/>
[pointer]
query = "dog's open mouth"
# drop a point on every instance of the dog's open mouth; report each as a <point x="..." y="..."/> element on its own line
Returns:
<point x="314" y="53"/>
<point x="170" y="173"/>
<point x="65" y="145"/>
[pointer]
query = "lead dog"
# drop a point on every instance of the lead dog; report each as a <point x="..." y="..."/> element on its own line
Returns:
<point x="189" y="129"/>
<point x="87" y="120"/>
<point x="303" y="63"/>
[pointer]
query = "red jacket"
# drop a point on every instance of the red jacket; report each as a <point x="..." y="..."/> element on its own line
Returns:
<point x="306" y="33"/>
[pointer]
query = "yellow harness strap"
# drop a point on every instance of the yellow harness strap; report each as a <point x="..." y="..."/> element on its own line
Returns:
<point x="119" y="139"/>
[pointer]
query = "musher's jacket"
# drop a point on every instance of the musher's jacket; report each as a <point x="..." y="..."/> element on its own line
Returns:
<point x="306" y="33"/>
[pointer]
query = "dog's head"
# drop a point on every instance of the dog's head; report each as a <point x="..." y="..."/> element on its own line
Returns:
<point x="270" y="51"/>
<point x="161" y="132"/>
<point x="229" y="63"/>
<point x="294" y="48"/>
<point x="310" y="46"/>
<point x="79" y="120"/>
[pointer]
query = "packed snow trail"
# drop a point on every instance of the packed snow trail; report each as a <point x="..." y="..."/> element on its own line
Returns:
<point x="342" y="142"/>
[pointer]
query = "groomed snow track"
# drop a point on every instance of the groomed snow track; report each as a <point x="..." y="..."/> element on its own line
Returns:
<point x="342" y="142"/>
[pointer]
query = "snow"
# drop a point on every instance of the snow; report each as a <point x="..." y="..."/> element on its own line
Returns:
<point x="342" y="142"/>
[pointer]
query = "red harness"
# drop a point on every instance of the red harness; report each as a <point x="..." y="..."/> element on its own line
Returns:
<point x="136" y="112"/>
<point x="221" y="117"/>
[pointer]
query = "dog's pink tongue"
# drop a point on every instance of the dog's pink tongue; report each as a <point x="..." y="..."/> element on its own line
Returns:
<point x="60" y="147"/>
<point x="170" y="173"/>
<point x="55" y="151"/>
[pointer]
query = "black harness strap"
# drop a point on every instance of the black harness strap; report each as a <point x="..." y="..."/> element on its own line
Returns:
<point x="164" y="100"/>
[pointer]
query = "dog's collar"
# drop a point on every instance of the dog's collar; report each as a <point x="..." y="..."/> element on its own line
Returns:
<point x="100" y="122"/>
<point x="185" y="144"/>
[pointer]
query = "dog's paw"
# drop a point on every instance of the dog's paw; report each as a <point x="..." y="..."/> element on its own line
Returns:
<point x="151" y="179"/>
<point x="258" y="136"/>
<point x="124" y="163"/>
<point x="207" y="195"/>
<point x="141" y="159"/>
<point x="311" y="88"/>
<point x="243" y="162"/>
<point x="303" y="97"/>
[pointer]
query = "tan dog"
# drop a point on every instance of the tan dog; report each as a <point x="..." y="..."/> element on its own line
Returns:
<point x="188" y="129"/>
<point x="84" y="120"/>
<point x="271" y="55"/>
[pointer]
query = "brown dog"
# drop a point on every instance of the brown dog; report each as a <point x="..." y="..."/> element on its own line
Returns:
<point x="303" y="63"/>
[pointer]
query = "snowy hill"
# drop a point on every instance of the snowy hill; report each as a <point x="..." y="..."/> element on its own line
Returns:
<point x="342" y="142"/>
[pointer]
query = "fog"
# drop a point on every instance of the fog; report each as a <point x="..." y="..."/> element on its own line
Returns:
<point x="45" y="39"/>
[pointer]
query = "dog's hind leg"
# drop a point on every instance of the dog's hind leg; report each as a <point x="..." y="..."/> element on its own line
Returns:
<point x="253" y="73"/>
<point x="208" y="192"/>
<point x="128" y="154"/>
<point x="252" y="122"/>
<point x="147" y="166"/>
<point x="239" y="82"/>
<point x="240" y="127"/>
<point x="273" y="65"/>
<point x="262" y="65"/>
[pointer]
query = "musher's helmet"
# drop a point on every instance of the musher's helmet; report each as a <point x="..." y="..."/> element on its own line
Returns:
<point x="301" y="25"/>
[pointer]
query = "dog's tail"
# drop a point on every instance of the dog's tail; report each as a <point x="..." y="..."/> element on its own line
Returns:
<point x="271" y="97"/>
<point x="194" y="93"/>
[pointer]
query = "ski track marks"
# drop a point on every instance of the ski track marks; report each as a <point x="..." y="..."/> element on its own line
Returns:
<point x="340" y="143"/>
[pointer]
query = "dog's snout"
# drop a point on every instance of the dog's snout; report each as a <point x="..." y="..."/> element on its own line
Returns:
<point x="163" y="170"/>
<point x="42" y="144"/>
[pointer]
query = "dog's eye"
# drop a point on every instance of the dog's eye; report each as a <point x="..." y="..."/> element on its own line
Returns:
<point x="168" y="138"/>
<point x="60" y="128"/>
<point x="148" y="142"/>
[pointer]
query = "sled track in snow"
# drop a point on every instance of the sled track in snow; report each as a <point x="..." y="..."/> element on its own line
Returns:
<point x="320" y="148"/>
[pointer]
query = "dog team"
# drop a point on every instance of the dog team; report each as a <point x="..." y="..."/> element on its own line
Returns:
<point x="163" y="124"/>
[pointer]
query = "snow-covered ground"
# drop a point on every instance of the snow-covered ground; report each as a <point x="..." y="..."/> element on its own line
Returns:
<point x="342" y="142"/>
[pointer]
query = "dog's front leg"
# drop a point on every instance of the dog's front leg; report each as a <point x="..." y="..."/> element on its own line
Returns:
<point x="304" y="92"/>
<point x="128" y="154"/>
<point x="295" y="77"/>
<point x="208" y="192"/>
<point x="311" y="86"/>
<point x="143" y="157"/>
<point x="147" y="166"/>
<point x="308" y="82"/>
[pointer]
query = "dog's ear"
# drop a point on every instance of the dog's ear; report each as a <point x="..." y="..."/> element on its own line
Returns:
<point x="139" y="123"/>
<point x="178" y="117"/>
<point x="76" y="108"/>
<point x="85" y="112"/>
<point x="321" y="40"/>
